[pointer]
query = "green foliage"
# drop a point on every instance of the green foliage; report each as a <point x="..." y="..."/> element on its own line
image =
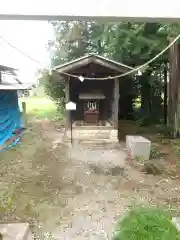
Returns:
<point x="5" y="204"/>
<point x="146" y="224"/>
<point x="139" y="159"/>
<point x="130" y="43"/>
<point x="155" y="152"/>
<point x="55" y="88"/>
<point x="44" y="236"/>
<point x="42" y="108"/>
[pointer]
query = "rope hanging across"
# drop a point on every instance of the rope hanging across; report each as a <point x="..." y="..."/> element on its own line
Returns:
<point x="92" y="78"/>
<point x="131" y="71"/>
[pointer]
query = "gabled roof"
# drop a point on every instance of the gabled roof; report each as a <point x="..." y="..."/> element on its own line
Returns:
<point x="92" y="58"/>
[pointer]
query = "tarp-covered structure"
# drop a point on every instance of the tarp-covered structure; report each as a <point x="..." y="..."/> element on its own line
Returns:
<point x="10" y="116"/>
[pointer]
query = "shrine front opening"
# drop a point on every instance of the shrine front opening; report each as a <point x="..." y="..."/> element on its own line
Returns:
<point x="97" y="99"/>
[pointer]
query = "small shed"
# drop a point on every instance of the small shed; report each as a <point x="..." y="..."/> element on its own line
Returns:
<point x="97" y="99"/>
<point x="10" y="116"/>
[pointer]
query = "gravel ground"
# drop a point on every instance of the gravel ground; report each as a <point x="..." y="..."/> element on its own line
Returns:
<point x="79" y="192"/>
<point x="95" y="200"/>
<point x="104" y="188"/>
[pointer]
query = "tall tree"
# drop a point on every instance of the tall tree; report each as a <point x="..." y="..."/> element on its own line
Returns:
<point x="130" y="43"/>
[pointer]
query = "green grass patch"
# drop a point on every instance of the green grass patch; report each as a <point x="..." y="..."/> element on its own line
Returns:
<point x="41" y="108"/>
<point x="146" y="224"/>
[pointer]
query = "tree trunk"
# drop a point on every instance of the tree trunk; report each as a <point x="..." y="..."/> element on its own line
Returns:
<point x="174" y="91"/>
<point x="165" y="95"/>
<point x="99" y="47"/>
<point x="145" y="94"/>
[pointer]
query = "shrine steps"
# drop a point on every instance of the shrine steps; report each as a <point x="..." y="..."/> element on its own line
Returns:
<point x="94" y="144"/>
<point x="99" y="143"/>
<point x="102" y="135"/>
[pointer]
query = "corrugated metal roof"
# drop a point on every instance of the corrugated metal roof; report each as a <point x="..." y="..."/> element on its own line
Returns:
<point x="14" y="86"/>
<point x="9" y="79"/>
<point x="7" y="69"/>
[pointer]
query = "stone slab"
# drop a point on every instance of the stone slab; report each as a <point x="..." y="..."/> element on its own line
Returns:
<point x="176" y="222"/>
<point x="16" y="231"/>
<point x="138" y="146"/>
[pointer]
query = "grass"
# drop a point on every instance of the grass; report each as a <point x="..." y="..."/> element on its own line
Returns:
<point x="30" y="179"/>
<point x="147" y="224"/>
<point x="40" y="108"/>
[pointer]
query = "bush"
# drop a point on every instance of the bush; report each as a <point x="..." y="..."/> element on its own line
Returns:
<point x="146" y="224"/>
<point x="54" y="87"/>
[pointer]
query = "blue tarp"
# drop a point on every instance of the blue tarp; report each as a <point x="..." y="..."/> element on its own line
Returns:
<point x="10" y="117"/>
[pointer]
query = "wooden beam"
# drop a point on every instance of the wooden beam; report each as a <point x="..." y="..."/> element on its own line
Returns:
<point x="116" y="102"/>
<point x="111" y="66"/>
<point x="24" y="115"/>
<point x="67" y="99"/>
<point x="73" y="65"/>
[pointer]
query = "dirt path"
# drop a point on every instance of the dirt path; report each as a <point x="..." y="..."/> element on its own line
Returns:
<point x="103" y="189"/>
<point x="93" y="198"/>
<point x="76" y="193"/>
<point x="100" y="187"/>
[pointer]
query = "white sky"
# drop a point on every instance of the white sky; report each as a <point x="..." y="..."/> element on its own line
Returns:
<point x="30" y="37"/>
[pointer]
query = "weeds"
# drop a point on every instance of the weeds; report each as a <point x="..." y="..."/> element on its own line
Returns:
<point x="155" y="152"/>
<point x="44" y="236"/>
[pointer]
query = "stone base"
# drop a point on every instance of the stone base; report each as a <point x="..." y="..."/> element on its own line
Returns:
<point x="92" y="134"/>
<point x="176" y="222"/>
<point x="19" y="231"/>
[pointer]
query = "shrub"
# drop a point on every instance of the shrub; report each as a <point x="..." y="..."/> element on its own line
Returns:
<point x="146" y="224"/>
<point x="54" y="87"/>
